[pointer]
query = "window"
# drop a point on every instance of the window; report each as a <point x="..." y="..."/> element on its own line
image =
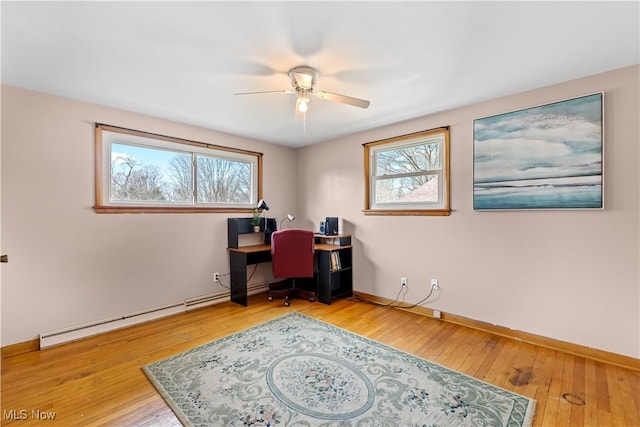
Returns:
<point x="142" y="172"/>
<point x="408" y="175"/>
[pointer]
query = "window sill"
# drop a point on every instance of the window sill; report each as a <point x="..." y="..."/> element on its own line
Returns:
<point x="408" y="212"/>
<point x="165" y="209"/>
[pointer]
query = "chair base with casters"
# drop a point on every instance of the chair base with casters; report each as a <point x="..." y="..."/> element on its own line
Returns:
<point x="288" y="290"/>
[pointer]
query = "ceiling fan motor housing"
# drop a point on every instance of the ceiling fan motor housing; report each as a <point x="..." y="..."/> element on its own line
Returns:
<point x="303" y="78"/>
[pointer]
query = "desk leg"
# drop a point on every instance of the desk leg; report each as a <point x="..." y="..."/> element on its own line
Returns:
<point x="324" y="276"/>
<point x="238" y="264"/>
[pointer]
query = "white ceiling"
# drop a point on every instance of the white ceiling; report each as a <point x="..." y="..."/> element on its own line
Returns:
<point x="184" y="61"/>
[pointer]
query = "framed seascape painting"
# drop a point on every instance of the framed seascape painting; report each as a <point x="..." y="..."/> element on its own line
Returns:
<point x="545" y="157"/>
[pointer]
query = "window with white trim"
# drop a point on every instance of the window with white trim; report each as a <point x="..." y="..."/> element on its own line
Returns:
<point x="408" y="175"/>
<point x="142" y="172"/>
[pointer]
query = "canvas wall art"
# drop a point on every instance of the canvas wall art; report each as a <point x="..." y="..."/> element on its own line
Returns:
<point x="545" y="157"/>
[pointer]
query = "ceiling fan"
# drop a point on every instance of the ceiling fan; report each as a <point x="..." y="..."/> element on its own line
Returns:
<point x="303" y="79"/>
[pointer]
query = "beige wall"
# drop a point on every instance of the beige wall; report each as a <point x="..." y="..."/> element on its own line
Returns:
<point x="69" y="265"/>
<point x="567" y="275"/>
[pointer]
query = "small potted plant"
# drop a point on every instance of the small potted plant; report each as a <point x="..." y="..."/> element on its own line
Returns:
<point x="255" y="221"/>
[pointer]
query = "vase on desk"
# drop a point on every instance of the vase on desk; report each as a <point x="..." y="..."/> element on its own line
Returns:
<point x="256" y="228"/>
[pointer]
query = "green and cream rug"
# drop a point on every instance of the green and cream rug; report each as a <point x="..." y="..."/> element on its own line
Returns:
<point x="299" y="371"/>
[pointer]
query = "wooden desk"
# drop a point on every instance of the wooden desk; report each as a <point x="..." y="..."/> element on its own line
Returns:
<point x="331" y="282"/>
<point x="239" y="258"/>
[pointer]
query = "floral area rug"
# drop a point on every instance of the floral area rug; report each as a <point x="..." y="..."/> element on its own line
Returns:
<point x="299" y="371"/>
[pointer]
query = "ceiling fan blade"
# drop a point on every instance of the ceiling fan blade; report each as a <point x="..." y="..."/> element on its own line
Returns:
<point x="356" y="102"/>
<point x="265" y="91"/>
<point x="242" y="67"/>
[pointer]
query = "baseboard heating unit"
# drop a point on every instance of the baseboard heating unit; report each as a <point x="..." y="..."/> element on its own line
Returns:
<point x="85" y="330"/>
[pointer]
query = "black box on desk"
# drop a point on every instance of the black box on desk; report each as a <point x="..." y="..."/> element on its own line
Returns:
<point x="331" y="226"/>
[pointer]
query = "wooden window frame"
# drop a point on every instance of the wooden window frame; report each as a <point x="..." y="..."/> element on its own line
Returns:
<point x="102" y="206"/>
<point x="369" y="150"/>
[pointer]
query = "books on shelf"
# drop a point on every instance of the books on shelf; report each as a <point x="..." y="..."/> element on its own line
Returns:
<point x="335" y="261"/>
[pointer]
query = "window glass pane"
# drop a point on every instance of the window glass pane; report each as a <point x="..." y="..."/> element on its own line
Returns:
<point x="149" y="174"/>
<point x="223" y="180"/>
<point x="421" y="157"/>
<point x="408" y="174"/>
<point x="143" y="172"/>
<point x="410" y="189"/>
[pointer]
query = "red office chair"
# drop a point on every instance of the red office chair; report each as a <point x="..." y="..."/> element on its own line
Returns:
<point x="292" y="257"/>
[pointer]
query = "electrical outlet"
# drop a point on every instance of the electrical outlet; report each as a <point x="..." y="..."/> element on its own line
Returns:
<point x="437" y="314"/>
<point x="216" y="277"/>
<point x="434" y="284"/>
<point x="403" y="282"/>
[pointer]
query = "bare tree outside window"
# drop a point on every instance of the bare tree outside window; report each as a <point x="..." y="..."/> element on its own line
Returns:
<point x="221" y="180"/>
<point x="405" y="171"/>
<point x="132" y="180"/>
<point x="181" y="178"/>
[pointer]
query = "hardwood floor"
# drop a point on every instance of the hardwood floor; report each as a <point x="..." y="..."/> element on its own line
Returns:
<point x="99" y="382"/>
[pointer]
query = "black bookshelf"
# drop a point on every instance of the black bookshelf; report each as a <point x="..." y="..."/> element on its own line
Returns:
<point x="334" y="268"/>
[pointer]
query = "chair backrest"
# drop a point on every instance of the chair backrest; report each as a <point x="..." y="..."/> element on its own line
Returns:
<point x="292" y="253"/>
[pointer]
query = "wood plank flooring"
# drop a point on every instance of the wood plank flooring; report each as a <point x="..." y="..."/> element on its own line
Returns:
<point x="99" y="382"/>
